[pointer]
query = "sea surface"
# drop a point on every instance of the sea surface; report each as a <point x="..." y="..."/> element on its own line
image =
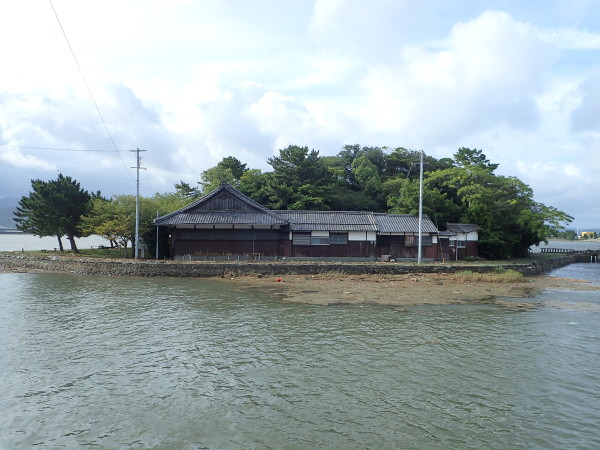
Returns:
<point x="579" y="245"/>
<point x="194" y="363"/>
<point x="16" y="242"/>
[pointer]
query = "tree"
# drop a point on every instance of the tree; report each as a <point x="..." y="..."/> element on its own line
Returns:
<point x="235" y="165"/>
<point x="367" y="175"/>
<point x="213" y="177"/>
<point x="403" y="198"/>
<point x="185" y="190"/>
<point x="300" y="180"/>
<point x="510" y="220"/>
<point x="112" y="219"/>
<point x="466" y="157"/>
<point x="229" y="170"/>
<point x="54" y="208"/>
<point x="254" y="184"/>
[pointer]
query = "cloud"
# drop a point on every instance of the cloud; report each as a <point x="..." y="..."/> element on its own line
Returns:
<point x="586" y="116"/>
<point x="571" y="38"/>
<point x="16" y="158"/>
<point x="193" y="82"/>
<point x="487" y="71"/>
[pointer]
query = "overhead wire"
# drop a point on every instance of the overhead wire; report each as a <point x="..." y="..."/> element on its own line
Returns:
<point x="88" y="88"/>
<point x="29" y="147"/>
<point x="169" y="166"/>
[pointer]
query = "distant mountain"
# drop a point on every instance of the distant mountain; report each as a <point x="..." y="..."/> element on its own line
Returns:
<point x="7" y="208"/>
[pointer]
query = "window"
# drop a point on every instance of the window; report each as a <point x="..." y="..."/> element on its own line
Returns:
<point x="461" y="244"/>
<point x="301" y="239"/>
<point x="319" y="240"/>
<point x="338" y="238"/>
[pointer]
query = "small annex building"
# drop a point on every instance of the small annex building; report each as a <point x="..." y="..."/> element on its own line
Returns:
<point x="228" y="224"/>
<point x="459" y="241"/>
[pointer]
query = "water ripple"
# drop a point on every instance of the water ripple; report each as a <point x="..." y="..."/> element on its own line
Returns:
<point x="188" y="364"/>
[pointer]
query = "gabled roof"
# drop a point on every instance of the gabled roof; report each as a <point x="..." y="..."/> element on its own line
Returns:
<point x="403" y="223"/>
<point x="224" y="205"/>
<point x="462" y="227"/>
<point x="329" y="220"/>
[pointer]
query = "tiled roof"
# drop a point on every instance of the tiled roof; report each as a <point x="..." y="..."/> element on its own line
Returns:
<point x="329" y="220"/>
<point x="227" y="205"/>
<point x="248" y="211"/>
<point x="462" y="227"/>
<point x="394" y="223"/>
<point x="220" y="217"/>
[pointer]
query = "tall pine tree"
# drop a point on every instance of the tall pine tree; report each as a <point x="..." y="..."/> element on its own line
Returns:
<point x="54" y="208"/>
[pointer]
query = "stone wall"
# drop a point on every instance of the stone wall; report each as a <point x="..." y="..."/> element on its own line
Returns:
<point x="145" y="268"/>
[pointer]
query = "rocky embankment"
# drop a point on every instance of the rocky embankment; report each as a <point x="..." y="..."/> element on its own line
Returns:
<point x="148" y="268"/>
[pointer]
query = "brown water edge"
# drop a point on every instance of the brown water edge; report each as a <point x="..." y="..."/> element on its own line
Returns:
<point x="400" y="290"/>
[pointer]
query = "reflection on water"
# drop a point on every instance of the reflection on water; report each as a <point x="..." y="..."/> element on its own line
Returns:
<point x="172" y="363"/>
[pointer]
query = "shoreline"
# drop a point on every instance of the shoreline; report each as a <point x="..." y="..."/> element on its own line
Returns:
<point x="170" y="268"/>
<point x="403" y="290"/>
<point x="318" y="283"/>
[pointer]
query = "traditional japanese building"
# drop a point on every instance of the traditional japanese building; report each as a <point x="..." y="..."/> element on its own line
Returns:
<point x="227" y="223"/>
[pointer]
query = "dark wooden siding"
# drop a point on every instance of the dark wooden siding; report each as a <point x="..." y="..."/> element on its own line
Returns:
<point x="450" y="252"/>
<point x="224" y="201"/>
<point x="354" y="249"/>
<point x="199" y="248"/>
<point x="405" y="247"/>
<point x="225" y="242"/>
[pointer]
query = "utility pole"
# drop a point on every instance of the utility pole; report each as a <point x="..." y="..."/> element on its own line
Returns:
<point x="137" y="201"/>
<point x="420" y="211"/>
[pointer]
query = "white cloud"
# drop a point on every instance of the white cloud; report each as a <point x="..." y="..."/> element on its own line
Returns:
<point x="193" y="82"/>
<point x="571" y="38"/>
<point x="17" y="158"/>
<point x="487" y="72"/>
<point x="586" y="116"/>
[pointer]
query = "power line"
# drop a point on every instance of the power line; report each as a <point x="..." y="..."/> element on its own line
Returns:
<point x="87" y="85"/>
<point x="29" y="147"/>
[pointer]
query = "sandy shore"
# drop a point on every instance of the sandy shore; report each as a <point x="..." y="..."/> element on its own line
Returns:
<point x="401" y="290"/>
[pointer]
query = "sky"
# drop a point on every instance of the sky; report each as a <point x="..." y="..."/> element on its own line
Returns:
<point x="193" y="81"/>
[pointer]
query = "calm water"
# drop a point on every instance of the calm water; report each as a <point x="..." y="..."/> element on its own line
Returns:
<point x="571" y="245"/>
<point x="16" y="242"/>
<point x="167" y="363"/>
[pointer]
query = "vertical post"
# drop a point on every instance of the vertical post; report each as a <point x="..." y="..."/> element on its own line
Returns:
<point x="137" y="202"/>
<point x="420" y="211"/>
<point x="157" y="237"/>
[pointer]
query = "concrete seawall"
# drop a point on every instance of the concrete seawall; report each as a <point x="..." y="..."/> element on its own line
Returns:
<point x="145" y="268"/>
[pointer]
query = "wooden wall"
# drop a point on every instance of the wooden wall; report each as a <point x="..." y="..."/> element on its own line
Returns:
<point x="354" y="249"/>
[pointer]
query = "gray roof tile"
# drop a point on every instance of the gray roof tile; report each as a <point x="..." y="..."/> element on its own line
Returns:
<point x="462" y="227"/>
<point x="394" y="223"/>
<point x="329" y="220"/>
<point x="227" y="205"/>
<point x="248" y="211"/>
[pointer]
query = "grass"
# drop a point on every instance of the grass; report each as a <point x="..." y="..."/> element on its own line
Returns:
<point x="497" y="276"/>
<point x="101" y="253"/>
